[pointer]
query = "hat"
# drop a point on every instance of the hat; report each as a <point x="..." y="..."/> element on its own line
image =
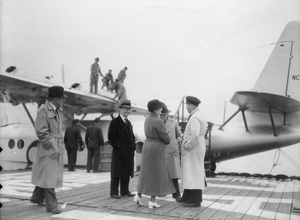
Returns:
<point x="125" y="104"/>
<point x="75" y="121"/>
<point x="165" y="109"/>
<point x="97" y="58"/>
<point x="192" y="100"/>
<point x="153" y="105"/>
<point x="56" y="91"/>
<point x="97" y="120"/>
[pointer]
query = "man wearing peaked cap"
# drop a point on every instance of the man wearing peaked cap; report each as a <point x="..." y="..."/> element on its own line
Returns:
<point x="193" y="152"/>
<point x="47" y="170"/>
<point x="192" y="100"/>
<point x="122" y="139"/>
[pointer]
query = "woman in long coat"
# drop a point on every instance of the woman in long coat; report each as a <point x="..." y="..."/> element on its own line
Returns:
<point x="154" y="179"/>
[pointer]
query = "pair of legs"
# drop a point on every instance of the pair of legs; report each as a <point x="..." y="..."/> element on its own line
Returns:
<point x="72" y="157"/>
<point x="124" y="186"/>
<point x="40" y="195"/>
<point x="93" y="159"/>
<point x="94" y="83"/>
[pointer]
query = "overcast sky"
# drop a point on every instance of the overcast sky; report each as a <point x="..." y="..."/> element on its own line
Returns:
<point x="205" y="48"/>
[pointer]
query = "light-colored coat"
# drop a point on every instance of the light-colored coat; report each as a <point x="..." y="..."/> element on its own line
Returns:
<point x="154" y="179"/>
<point x="193" y="152"/>
<point x="172" y="149"/>
<point x="47" y="171"/>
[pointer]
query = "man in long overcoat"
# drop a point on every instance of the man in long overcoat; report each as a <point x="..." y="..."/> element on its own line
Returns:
<point x="122" y="139"/>
<point x="47" y="171"/>
<point x="72" y="138"/>
<point x="94" y="141"/>
<point x="193" y="152"/>
<point x="173" y="162"/>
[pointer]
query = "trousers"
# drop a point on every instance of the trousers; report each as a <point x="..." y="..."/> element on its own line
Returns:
<point x="72" y="157"/>
<point x="93" y="159"/>
<point x="114" y="186"/>
<point x="40" y="194"/>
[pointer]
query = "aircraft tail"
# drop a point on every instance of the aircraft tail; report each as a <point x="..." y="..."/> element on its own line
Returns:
<point x="281" y="74"/>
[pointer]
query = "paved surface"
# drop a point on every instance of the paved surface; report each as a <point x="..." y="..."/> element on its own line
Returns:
<point x="87" y="197"/>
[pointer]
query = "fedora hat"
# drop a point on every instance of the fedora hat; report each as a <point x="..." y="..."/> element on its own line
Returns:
<point x="125" y="104"/>
<point x="165" y="109"/>
<point x="56" y="92"/>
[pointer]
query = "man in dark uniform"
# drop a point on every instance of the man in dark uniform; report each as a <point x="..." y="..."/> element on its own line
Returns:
<point x="72" y="138"/>
<point x="94" y="140"/>
<point x="122" y="139"/>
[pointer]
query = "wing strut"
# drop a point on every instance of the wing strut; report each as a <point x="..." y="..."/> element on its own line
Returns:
<point x="273" y="124"/>
<point x="229" y="119"/>
<point x="242" y="109"/>
<point x="244" y="118"/>
<point x="28" y="113"/>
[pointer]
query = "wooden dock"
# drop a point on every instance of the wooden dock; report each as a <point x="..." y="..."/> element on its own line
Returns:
<point x="87" y="197"/>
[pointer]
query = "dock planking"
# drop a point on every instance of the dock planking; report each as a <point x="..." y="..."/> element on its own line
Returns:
<point x="87" y="195"/>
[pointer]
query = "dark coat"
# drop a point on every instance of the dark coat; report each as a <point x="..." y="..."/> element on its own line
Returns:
<point x="122" y="139"/>
<point x="94" y="137"/>
<point x="72" y="137"/>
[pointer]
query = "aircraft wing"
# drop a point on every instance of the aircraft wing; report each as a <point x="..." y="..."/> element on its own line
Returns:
<point x="261" y="102"/>
<point x="15" y="89"/>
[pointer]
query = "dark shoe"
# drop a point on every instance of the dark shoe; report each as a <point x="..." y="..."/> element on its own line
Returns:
<point x="95" y="171"/>
<point x="191" y="205"/>
<point x="115" y="197"/>
<point x="87" y="171"/>
<point x="56" y="211"/>
<point x="180" y="199"/>
<point x="129" y="194"/>
<point x="39" y="203"/>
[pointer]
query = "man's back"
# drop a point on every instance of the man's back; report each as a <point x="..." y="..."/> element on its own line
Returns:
<point x="94" y="136"/>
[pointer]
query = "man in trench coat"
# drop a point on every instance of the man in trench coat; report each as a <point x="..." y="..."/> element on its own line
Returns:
<point x="47" y="170"/>
<point x="122" y="139"/>
<point x="173" y="162"/>
<point x="193" y="152"/>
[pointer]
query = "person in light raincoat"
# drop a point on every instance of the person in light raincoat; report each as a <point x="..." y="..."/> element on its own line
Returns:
<point x="47" y="170"/>
<point x="193" y="152"/>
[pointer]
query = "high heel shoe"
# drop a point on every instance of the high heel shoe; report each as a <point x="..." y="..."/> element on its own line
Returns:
<point x="153" y="204"/>
<point x="137" y="200"/>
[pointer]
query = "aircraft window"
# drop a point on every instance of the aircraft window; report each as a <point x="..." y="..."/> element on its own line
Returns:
<point x="20" y="144"/>
<point x="11" y="143"/>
